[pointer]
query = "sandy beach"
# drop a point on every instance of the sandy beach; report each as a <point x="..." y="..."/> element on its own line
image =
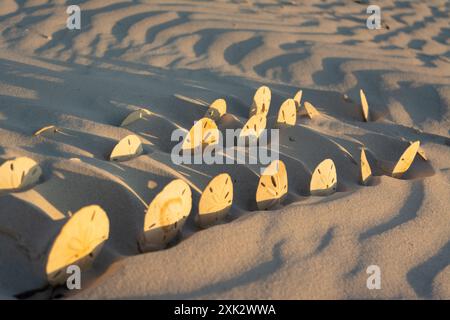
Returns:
<point x="173" y="59"/>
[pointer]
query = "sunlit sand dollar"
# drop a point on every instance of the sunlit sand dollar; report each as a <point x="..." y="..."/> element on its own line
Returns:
<point x="203" y="132"/>
<point x="127" y="148"/>
<point x="364" y="105"/>
<point x="46" y="129"/>
<point x="215" y="200"/>
<point x="366" y="172"/>
<point x="261" y="101"/>
<point x="254" y="126"/>
<point x="79" y="242"/>
<point x="311" y="111"/>
<point x="135" y="116"/>
<point x="166" y="215"/>
<point x="216" y="110"/>
<point x="287" y="113"/>
<point x="298" y="99"/>
<point x="272" y="186"/>
<point x="19" y="174"/>
<point x="324" y="179"/>
<point x="406" y="160"/>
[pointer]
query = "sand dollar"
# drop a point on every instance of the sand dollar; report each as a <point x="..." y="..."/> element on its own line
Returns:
<point x="406" y="160"/>
<point x="127" y="148"/>
<point x="254" y="126"/>
<point x="135" y="116"/>
<point x="365" y="170"/>
<point x="311" y="111"/>
<point x="216" y="110"/>
<point x="272" y="185"/>
<point x="203" y="132"/>
<point x="261" y="101"/>
<point x="364" y="105"/>
<point x="79" y="242"/>
<point x="298" y="99"/>
<point x="287" y="113"/>
<point x="324" y="179"/>
<point x="19" y="173"/>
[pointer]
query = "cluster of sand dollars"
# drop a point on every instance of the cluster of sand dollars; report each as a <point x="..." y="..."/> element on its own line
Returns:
<point x="83" y="235"/>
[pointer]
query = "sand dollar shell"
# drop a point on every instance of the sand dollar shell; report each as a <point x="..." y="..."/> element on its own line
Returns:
<point x="364" y="105"/>
<point x="406" y="160"/>
<point x="254" y="126"/>
<point x="324" y="179"/>
<point x="365" y="170"/>
<point x="166" y="215"/>
<point x="127" y="148"/>
<point x="261" y="101"/>
<point x="49" y="129"/>
<point x="298" y="99"/>
<point x="79" y="242"/>
<point x="135" y="116"/>
<point x="311" y="111"/>
<point x="203" y="132"/>
<point x="287" y="113"/>
<point x="215" y="201"/>
<point x="19" y="173"/>
<point x="216" y="110"/>
<point x="272" y="186"/>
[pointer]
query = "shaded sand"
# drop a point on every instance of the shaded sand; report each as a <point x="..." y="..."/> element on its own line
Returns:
<point x="173" y="59"/>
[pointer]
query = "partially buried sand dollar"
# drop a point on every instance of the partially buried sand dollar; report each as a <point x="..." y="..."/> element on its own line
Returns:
<point x="215" y="201"/>
<point x="203" y="132"/>
<point x="135" y="116"/>
<point x="406" y="160"/>
<point x="166" y="215"/>
<point x="216" y="110"/>
<point x="78" y="243"/>
<point x="365" y="170"/>
<point x="127" y="148"/>
<point x="272" y="186"/>
<point x="364" y="105"/>
<point x="288" y="113"/>
<point x="298" y="99"/>
<point x="261" y="101"/>
<point x="254" y="126"/>
<point x="19" y="174"/>
<point x="324" y="179"/>
<point x="310" y="110"/>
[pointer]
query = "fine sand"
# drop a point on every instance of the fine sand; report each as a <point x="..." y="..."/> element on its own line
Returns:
<point x="174" y="58"/>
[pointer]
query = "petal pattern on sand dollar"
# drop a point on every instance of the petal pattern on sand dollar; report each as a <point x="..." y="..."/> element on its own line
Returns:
<point x="287" y="113"/>
<point x="254" y="126"/>
<point x="19" y="174"/>
<point x="261" y="101"/>
<point x="324" y="179"/>
<point x="272" y="186"/>
<point x="203" y="132"/>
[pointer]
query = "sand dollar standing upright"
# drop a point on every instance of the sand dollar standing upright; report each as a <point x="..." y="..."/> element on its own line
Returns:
<point x="135" y="116"/>
<point x="127" y="148"/>
<point x="311" y="111"/>
<point x="254" y="126"/>
<point x="261" y="101"/>
<point x="287" y="113"/>
<point x="79" y="242"/>
<point x="166" y="215"/>
<point x="216" y="110"/>
<point x="366" y="172"/>
<point x="406" y="160"/>
<point x="272" y="185"/>
<point x="215" y="201"/>
<point x="203" y="132"/>
<point x="298" y="99"/>
<point x="19" y="173"/>
<point x="364" y="105"/>
<point x="324" y="179"/>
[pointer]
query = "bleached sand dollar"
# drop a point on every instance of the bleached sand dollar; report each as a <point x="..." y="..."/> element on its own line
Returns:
<point x="287" y="113"/>
<point x="272" y="186"/>
<point x="166" y="215"/>
<point x="135" y="116"/>
<point x="406" y="160"/>
<point x="366" y="172"/>
<point x="127" y="148"/>
<point x="203" y="132"/>
<point x="364" y="105"/>
<point x="215" y="201"/>
<point x="311" y="111"/>
<point x="261" y="101"/>
<point x="254" y="126"/>
<point x="46" y="129"/>
<point x="19" y="174"/>
<point x="324" y="179"/>
<point x="298" y="98"/>
<point x="79" y="242"/>
<point x="216" y="110"/>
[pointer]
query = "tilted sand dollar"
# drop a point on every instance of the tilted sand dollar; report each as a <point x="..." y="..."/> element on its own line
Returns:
<point x="203" y="132"/>
<point x="311" y="111"/>
<point x="406" y="160"/>
<point x="287" y="113"/>
<point x="364" y="105"/>
<point x="254" y="126"/>
<point x="127" y="148"/>
<point x="298" y="98"/>
<point x="166" y="215"/>
<point x="272" y="186"/>
<point x="261" y="101"/>
<point x="19" y="173"/>
<point x="366" y="172"/>
<point x="46" y="129"/>
<point x="215" y="201"/>
<point x="79" y="242"/>
<point x="135" y="116"/>
<point x="324" y="179"/>
<point x="216" y="110"/>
